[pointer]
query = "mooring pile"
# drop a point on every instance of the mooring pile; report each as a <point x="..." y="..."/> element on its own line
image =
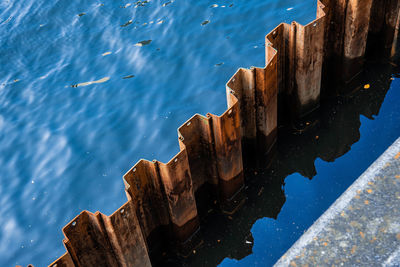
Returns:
<point x="300" y="60"/>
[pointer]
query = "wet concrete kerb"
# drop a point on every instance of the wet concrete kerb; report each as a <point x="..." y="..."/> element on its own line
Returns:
<point x="362" y="227"/>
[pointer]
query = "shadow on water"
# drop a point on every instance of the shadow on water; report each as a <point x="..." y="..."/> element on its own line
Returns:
<point x="328" y="134"/>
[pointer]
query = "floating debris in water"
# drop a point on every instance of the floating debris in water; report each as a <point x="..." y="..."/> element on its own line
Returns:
<point x="160" y="22"/>
<point x="167" y="3"/>
<point x="231" y="5"/>
<point x="219" y="64"/>
<point x="248" y="242"/>
<point x="367" y="86"/>
<point x="215" y="5"/>
<point x="261" y="191"/>
<point x="81" y="14"/>
<point x="205" y="22"/>
<point x="106" y="54"/>
<point x="16" y="80"/>
<point x="290" y="8"/>
<point x="102" y="80"/>
<point x="127" y="5"/>
<point x="141" y="3"/>
<point x="142" y="43"/>
<point x="128" y="77"/>
<point x="127" y="23"/>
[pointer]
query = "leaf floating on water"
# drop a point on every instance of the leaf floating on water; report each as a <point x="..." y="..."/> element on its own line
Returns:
<point x="128" y="77"/>
<point x="127" y="5"/>
<point x="81" y="14"/>
<point x="126" y="24"/>
<point x="205" y="22"/>
<point x="106" y="54"/>
<point x="167" y="3"/>
<point x="215" y="5"/>
<point x="219" y="64"/>
<point x="142" y="43"/>
<point x="16" y="80"/>
<point x="290" y="8"/>
<point x="102" y="80"/>
<point x="160" y="22"/>
<point x="367" y="86"/>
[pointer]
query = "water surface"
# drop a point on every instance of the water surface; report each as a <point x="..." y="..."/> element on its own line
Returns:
<point x="89" y="88"/>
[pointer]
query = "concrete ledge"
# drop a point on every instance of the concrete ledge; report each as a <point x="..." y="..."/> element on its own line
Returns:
<point x="362" y="228"/>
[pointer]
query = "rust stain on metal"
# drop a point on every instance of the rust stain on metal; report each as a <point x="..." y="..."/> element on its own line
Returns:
<point x="177" y="182"/>
<point x="161" y="197"/>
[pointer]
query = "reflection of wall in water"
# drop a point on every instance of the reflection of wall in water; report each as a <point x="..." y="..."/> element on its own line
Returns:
<point x="330" y="135"/>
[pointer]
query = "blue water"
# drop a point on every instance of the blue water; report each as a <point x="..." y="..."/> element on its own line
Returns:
<point x="65" y="142"/>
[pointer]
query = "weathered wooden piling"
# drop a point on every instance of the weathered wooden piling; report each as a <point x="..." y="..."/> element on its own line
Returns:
<point x="161" y="208"/>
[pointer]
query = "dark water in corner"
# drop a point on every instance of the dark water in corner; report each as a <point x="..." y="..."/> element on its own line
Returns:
<point x="84" y="94"/>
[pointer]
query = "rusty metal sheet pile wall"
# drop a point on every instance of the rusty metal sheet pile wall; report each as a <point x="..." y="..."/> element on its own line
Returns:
<point x="195" y="135"/>
<point x="161" y="207"/>
<point x="178" y="188"/>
